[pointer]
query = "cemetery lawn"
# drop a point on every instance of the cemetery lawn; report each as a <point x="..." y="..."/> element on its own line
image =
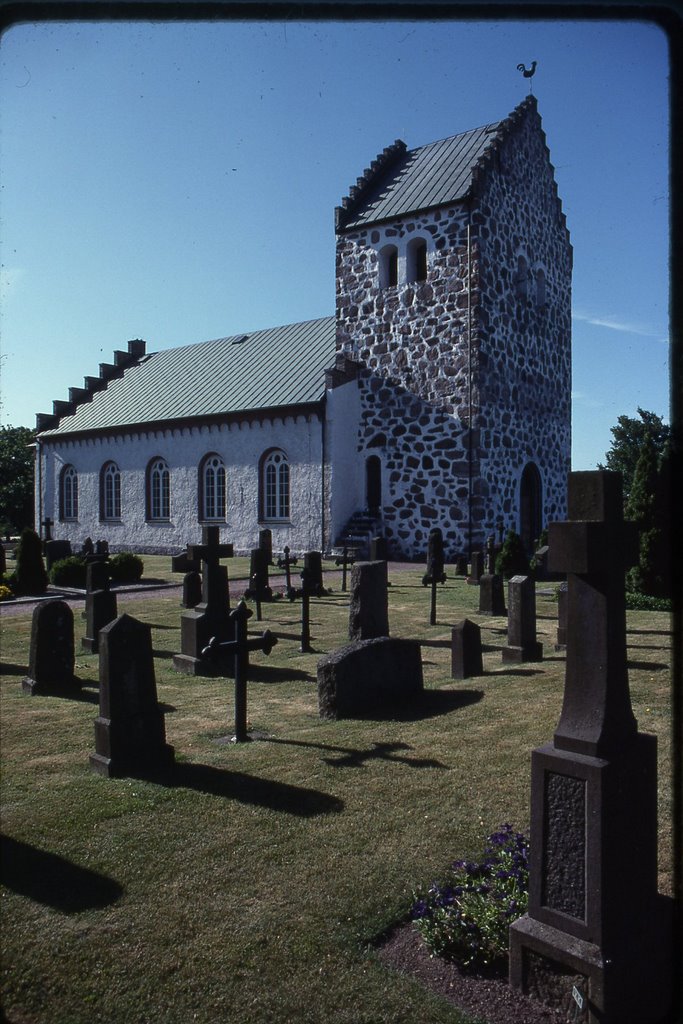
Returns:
<point x="254" y="888"/>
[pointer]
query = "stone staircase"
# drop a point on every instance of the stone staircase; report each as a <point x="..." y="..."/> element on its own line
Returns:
<point x="358" y="532"/>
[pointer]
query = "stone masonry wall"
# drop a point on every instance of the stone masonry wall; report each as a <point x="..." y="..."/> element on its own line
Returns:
<point x="523" y="327"/>
<point x="424" y="373"/>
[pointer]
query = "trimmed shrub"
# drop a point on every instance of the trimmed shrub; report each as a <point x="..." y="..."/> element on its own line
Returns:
<point x="126" y="568"/>
<point x="512" y="559"/>
<point x="31" y="576"/>
<point x="69" y="572"/>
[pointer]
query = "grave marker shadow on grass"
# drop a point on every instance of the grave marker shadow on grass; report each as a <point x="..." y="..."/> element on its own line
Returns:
<point x="54" y="881"/>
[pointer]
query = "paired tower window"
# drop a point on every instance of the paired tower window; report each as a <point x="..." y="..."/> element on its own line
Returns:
<point x="412" y="268"/>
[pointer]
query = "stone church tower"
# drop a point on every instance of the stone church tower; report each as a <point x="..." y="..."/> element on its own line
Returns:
<point x="453" y="288"/>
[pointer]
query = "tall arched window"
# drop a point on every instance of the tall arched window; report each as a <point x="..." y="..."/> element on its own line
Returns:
<point x="275" y="485"/>
<point x="158" y="490"/>
<point x="416" y="260"/>
<point x="68" y="494"/>
<point x="213" y="481"/>
<point x="388" y="266"/>
<point x="110" y="491"/>
<point x="530" y="506"/>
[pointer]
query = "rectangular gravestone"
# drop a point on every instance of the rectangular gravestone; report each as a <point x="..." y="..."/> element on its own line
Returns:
<point x="265" y="543"/>
<point x="369" y="675"/>
<point x="181" y="563"/>
<point x="130" y="733"/>
<point x="461" y="566"/>
<point x="522" y="642"/>
<point x="379" y="549"/>
<point x="259" y="586"/>
<point x="100" y="604"/>
<point x="369" y="601"/>
<point x="192" y="589"/>
<point x="51" y="657"/>
<point x="476" y="568"/>
<point x="594" y="908"/>
<point x="466" y="657"/>
<point x="313" y="563"/>
<point x="491" y="595"/>
<point x="55" y="551"/>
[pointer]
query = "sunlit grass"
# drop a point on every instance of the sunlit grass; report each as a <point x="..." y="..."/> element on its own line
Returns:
<point x="252" y="889"/>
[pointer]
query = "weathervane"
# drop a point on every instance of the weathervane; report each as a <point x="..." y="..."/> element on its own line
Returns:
<point x="528" y="72"/>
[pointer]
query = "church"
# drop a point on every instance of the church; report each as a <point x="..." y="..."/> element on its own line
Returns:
<point x="438" y="394"/>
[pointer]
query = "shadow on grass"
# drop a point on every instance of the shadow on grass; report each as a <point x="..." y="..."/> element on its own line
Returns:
<point x="648" y="666"/>
<point x="9" y="669"/>
<point x="652" y="632"/>
<point x="272" y="674"/>
<point x="351" y="758"/>
<point x="52" y="880"/>
<point x="249" y="789"/>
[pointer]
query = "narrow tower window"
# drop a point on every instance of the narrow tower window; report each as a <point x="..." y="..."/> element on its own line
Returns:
<point x="416" y="255"/>
<point x="388" y="267"/>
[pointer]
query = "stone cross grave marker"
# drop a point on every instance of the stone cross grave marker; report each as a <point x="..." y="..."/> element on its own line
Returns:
<point x="51" y="656"/>
<point x="593" y="902"/>
<point x="210" y="618"/>
<point x="130" y="734"/>
<point x="369" y="601"/>
<point x="491" y="595"/>
<point x="239" y="649"/>
<point x="345" y="560"/>
<point x="466" y="658"/>
<point x="100" y="604"/>
<point x="304" y="593"/>
<point x="48" y="524"/>
<point x="286" y="563"/>
<point x="522" y="642"/>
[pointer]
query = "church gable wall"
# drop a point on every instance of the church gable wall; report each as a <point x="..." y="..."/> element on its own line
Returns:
<point x="523" y="329"/>
<point x="239" y="445"/>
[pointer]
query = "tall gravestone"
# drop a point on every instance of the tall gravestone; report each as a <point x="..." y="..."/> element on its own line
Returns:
<point x="192" y="589"/>
<point x="435" y="558"/>
<point x="130" y="734"/>
<point x="259" y="586"/>
<point x="265" y="543"/>
<point x="313" y="563"/>
<point x="594" y="912"/>
<point x="51" y="657"/>
<point x="466" y="658"/>
<point x="491" y="595"/>
<point x="522" y="642"/>
<point x="476" y="568"/>
<point x="368" y="601"/>
<point x="100" y="604"/>
<point x="55" y="551"/>
<point x="210" y="618"/>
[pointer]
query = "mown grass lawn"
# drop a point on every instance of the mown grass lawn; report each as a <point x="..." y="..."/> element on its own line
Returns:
<point x="253" y="887"/>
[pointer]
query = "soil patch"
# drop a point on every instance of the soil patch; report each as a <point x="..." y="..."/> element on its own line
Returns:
<point x="485" y="996"/>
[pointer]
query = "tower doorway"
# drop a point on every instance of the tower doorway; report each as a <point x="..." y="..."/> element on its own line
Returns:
<point x="373" y="484"/>
<point x="530" y="507"/>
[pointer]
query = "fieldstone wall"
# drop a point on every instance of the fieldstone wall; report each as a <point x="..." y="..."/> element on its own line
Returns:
<point x="429" y="370"/>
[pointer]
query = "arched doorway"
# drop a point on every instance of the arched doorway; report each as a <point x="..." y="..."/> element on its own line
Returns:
<point x="373" y="483"/>
<point x="530" y="507"/>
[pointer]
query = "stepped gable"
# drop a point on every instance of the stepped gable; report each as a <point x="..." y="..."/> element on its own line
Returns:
<point x="369" y="179"/>
<point x="137" y="349"/>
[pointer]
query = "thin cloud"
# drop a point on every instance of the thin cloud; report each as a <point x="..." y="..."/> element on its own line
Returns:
<point x="590" y="403"/>
<point x="626" y="327"/>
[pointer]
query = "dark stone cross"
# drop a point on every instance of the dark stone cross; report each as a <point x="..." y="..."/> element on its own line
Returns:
<point x="48" y="524"/>
<point x="100" y="604"/>
<point x="304" y="592"/>
<point x="210" y="618"/>
<point x="435" y="558"/>
<point x="345" y="560"/>
<point x="286" y="563"/>
<point x="259" y="587"/>
<point x="594" y="908"/>
<point x="239" y="649"/>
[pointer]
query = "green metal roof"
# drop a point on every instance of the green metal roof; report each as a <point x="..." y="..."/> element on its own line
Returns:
<point x="275" y="368"/>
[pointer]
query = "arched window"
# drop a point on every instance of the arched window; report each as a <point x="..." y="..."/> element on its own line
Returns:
<point x="213" y="488"/>
<point x="416" y="257"/>
<point x="158" y="490"/>
<point x="522" y="279"/>
<point x="275" y="485"/>
<point x="530" y="506"/>
<point x="68" y="494"/>
<point x="110" y="491"/>
<point x="388" y="266"/>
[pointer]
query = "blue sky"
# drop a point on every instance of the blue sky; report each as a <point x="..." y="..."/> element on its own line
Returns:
<point x="177" y="182"/>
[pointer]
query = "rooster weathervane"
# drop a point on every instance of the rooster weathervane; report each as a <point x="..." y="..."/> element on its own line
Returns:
<point x="528" y="72"/>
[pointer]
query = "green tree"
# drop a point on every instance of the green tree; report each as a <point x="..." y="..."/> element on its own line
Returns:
<point x="512" y="559"/>
<point x="649" y="507"/>
<point x="628" y="437"/>
<point x="16" y="478"/>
